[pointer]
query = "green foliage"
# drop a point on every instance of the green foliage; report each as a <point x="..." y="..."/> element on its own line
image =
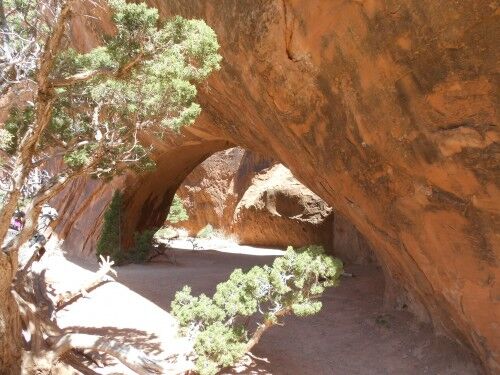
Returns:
<point x="143" y="242"/>
<point x="15" y="127"/>
<point x="225" y="343"/>
<point x="6" y="140"/>
<point x="177" y="211"/>
<point x="78" y="158"/>
<point x="291" y="286"/>
<point x="206" y="232"/>
<point x="173" y="54"/>
<point x="143" y="77"/>
<point x="159" y="89"/>
<point x="109" y="240"/>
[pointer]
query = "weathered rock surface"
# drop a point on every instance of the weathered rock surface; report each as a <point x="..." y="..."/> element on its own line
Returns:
<point x="213" y="189"/>
<point x="277" y="210"/>
<point x="348" y="244"/>
<point x="387" y="110"/>
<point x="255" y="200"/>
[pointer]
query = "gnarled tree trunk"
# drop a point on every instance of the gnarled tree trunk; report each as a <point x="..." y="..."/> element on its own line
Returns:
<point x="10" y="330"/>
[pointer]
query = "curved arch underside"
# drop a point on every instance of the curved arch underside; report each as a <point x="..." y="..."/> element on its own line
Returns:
<point x="387" y="111"/>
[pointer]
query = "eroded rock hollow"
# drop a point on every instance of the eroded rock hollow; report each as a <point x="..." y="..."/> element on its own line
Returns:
<point x="387" y="110"/>
<point x="255" y="200"/>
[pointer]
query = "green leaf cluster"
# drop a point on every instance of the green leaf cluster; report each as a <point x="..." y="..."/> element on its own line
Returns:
<point x="15" y="127"/>
<point x="77" y="158"/>
<point x="142" y="77"/>
<point x="292" y="285"/>
<point x="161" y="64"/>
<point x="109" y="243"/>
<point x="177" y="211"/>
<point x="143" y="242"/>
<point x="171" y="57"/>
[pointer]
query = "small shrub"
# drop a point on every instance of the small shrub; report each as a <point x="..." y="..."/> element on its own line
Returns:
<point x="143" y="243"/>
<point x="292" y="285"/>
<point x="206" y="232"/>
<point x="109" y="243"/>
<point x="177" y="212"/>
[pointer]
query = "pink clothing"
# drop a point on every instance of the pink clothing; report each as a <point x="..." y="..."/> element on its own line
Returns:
<point x="16" y="224"/>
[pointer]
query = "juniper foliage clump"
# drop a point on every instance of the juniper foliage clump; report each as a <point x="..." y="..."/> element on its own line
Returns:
<point x="143" y="244"/>
<point x="177" y="212"/>
<point x="141" y="77"/>
<point x="109" y="239"/>
<point x="291" y="286"/>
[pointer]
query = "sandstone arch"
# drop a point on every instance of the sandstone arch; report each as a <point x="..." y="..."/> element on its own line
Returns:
<point x="387" y="110"/>
<point x="148" y="196"/>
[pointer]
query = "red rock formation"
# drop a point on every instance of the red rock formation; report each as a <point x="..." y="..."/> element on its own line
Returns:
<point x="255" y="200"/>
<point x="212" y="190"/>
<point x="277" y="210"/>
<point x="386" y="110"/>
<point x="348" y="244"/>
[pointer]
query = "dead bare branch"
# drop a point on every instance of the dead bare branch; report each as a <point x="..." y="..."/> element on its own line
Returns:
<point x="100" y="277"/>
<point x="131" y="357"/>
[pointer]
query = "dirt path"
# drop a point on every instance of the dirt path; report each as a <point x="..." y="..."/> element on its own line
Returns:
<point x="351" y="335"/>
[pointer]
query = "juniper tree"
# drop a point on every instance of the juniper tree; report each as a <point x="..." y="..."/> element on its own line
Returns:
<point x="89" y="108"/>
<point x="109" y="240"/>
<point x="219" y="325"/>
<point x="177" y="211"/>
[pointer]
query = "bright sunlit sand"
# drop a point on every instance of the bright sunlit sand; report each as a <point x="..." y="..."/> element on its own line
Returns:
<point x="224" y="246"/>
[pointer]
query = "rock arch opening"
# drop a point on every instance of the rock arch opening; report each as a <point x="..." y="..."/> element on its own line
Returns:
<point x="255" y="200"/>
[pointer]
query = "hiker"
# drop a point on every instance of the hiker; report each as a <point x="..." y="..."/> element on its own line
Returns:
<point x="47" y="215"/>
<point x="17" y="221"/>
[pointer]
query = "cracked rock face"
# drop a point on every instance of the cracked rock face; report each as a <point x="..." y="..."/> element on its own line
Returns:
<point x="386" y="110"/>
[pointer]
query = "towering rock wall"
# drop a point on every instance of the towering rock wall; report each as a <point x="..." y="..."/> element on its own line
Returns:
<point x="385" y="109"/>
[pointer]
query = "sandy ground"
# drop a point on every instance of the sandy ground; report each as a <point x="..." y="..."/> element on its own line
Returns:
<point x="351" y="335"/>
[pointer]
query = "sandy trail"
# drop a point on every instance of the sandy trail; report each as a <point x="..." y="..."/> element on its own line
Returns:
<point x="351" y="335"/>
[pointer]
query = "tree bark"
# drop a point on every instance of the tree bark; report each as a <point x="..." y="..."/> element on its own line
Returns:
<point x="268" y="323"/>
<point x="131" y="357"/>
<point x="10" y="322"/>
<point x="44" y="105"/>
